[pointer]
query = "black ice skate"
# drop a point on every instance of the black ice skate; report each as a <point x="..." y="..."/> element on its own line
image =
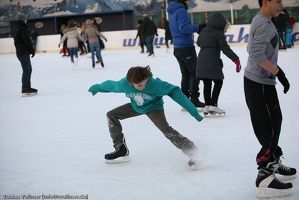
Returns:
<point x="284" y="173"/>
<point x="120" y="155"/>
<point x="29" y="92"/>
<point x="269" y="186"/>
<point x="197" y="103"/>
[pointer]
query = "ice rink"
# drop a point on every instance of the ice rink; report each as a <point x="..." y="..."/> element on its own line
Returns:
<point x="54" y="143"/>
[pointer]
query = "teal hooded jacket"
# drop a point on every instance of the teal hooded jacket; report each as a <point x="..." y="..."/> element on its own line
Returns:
<point x="150" y="98"/>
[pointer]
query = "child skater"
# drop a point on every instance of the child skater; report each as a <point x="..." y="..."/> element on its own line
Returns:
<point x="212" y="41"/>
<point x="146" y="96"/>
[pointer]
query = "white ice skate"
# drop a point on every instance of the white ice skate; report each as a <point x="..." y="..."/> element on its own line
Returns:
<point x="216" y="110"/>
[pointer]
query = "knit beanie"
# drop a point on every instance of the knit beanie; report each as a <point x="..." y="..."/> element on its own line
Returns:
<point x="88" y="22"/>
<point x="22" y="17"/>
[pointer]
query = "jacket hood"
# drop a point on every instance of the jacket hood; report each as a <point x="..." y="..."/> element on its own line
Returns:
<point x="217" y="21"/>
<point x="174" y="6"/>
<point x="21" y="23"/>
<point x="69" y="29"/>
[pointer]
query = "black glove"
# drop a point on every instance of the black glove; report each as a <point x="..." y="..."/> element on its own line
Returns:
<point x="201" y="26"/>
<point x="32" y="55"/>
<point x="157" y="34"/>
<point x="105" y="39"/>
<point x="283" y="80"/>
<point x="59" y="46"/>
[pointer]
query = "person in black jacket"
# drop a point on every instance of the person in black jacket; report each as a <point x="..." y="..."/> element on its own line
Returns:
<point x="212" y="41"/>
<point x="168" y="36"/>
<point x="150" y="30"/>
<point x="140" y="34"/>
<point x="24" y="48"/>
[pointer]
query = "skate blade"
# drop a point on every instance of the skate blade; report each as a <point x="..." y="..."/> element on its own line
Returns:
<point x="28" y="94"/>
<point x="269" y="193"/>
<point x="286" y="178"/>
<point x="123" y="159"/>
<point x="198" y="108"/>
<point x="194" y="167"/>
<point x="211" y="113"/>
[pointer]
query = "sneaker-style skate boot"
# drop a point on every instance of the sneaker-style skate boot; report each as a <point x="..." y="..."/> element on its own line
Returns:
<point x="284" y="173"/>
<point x="215" y="109"/>
<point x="120" y="155"/>
<point x="269" y="186"/>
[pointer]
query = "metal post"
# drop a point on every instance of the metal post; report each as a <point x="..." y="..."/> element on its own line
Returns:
<point x="232" y="13"/>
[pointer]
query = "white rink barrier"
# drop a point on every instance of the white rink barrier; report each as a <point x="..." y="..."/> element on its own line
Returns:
<point x="236" y="35"/>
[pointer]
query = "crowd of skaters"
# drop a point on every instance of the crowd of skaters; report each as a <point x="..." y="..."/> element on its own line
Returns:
<point x="84" y="37"/>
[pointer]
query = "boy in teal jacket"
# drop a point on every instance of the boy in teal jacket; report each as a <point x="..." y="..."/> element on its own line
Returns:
<point x="146" y="95"/>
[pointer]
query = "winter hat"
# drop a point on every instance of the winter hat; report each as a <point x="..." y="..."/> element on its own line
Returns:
<point x="88" y="22"/>
<point x="22" y="17"/>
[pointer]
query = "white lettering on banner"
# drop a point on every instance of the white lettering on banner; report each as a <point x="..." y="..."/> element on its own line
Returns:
<point x="133" y="42"/>
<point x="242" y="36"/>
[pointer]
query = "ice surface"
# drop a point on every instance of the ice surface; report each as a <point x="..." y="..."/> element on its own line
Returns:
<point x="54" y="142"/>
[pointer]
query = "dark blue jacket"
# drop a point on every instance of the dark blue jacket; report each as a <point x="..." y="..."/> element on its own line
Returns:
<point x="180" y="24"/>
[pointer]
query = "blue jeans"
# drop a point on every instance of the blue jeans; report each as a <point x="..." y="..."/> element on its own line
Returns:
<point x="27" y="70"/>
<point x="186" y="58"/>
<point x="95" y="47"/>
<point x="73" y="52"/>
<point x="150" y="44"/>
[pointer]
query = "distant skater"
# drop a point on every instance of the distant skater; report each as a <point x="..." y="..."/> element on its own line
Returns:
<point x="24" y="48"/>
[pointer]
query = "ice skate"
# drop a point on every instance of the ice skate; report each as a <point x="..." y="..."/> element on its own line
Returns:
<point x="216" y="110"/>
<point x="29" y="92"/>
<point x="206" y="110"/>
<point x="76" y="63"/>
<point x="269" y="186"/>
<point x="193" y="163"/>
<point x="72" y="64"/>
<point x="151" y="55"/>
<point x="197" y="103"/>
<point x="120" y="155"/>
<point x="283" y="172"/>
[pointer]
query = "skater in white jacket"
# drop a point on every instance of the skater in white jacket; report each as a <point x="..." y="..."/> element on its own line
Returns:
<point x="72" y="35"/>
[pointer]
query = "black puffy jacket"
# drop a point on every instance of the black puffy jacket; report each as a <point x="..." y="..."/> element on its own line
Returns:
<point x="212" y="41"/>
<point x="22" y="40"/>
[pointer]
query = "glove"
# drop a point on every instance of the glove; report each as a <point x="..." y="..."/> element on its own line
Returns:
<point x="238" y="66"/>
<point x="283" y="80"/>
<point x="59" y="46"/>
<point x="200" y="27"/>
<point x="105" y="39"/>
<point x="157" y="34"/>
<point x="33" y="54"/>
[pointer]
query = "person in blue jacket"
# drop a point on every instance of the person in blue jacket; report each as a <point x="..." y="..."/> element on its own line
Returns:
<point x="146" y="96"/>
<point x="182" y="31"/>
